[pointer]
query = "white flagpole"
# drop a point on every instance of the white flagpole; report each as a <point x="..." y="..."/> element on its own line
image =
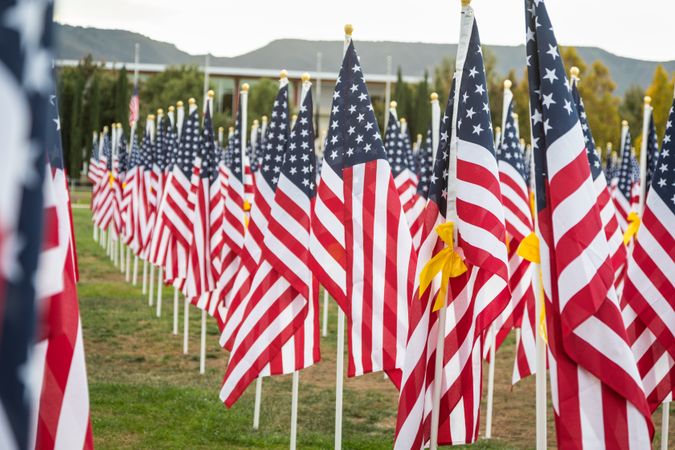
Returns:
<point x="646" y="115"/>
<point x="160" y="282"/>
<point x="435" y="124"/>
<point x="127" y="273"/>
<point x="122" y="256"/>
<point x="145" y="277"/>
<point x="175" y="311"/>
<point x="387" y="92"/>
<point x="306" y="85"/>
<point x="324" y="331"/>
<point x="186" y="325"/>
<point x="294" y="409"/>
<point x="256" y="403"/>
<point x="202" y="346"/>
<point x="665" y="416"/>
<point x="540" y="362"/>
<point x="340" y="357"/>
<point x="508" y="96"/>
<point x="151" y="291"/>
<point x="134" y="278"/>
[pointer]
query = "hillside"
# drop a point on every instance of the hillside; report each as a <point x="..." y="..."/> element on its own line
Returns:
<point x="297" y="54"/>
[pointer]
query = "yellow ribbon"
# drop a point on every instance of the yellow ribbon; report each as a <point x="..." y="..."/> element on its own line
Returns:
<point x="247" y="205"/>
<point x="448" y="262"/>
<point x="124" y="185"/>
<point x="633" y="225"/>
<point x="111" y="179"/>
<point x="529" y="248"/>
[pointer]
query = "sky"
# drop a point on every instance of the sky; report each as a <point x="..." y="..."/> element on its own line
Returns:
<point x="641" y="29"/>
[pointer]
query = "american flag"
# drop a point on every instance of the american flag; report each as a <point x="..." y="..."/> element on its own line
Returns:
<point x="608" y="214"/>
<point x="280" y="332"/>
<point x="63" y="419"/>
<point x="271" y="154"/>
<point x="177" y="209"/>
<point x="518" y="220"/>
<point x="479" y="295"/>
<point x="105" y="203"/>
<point x="399" y="156"/>
<point x="130" y="191"/>
<point x="598" y="399"/>
<point x="649" y="291"/>
<point x="624" y="193"/>
<point x="200" y="274"/>
<point x="376" y="265"/>
<point x="425" y="162"/>
<point x="414" y="406"/>
<point x="26" y="38"/>
<point x="146" y="218"/>
<point x="134" y="106"/>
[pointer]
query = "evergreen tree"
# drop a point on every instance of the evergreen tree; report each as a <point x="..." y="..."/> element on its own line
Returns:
<point x="122" y="99"/>
<point x="420" y="120"/>
<point x="631" y="108"/>
<point x="443" y="80"/>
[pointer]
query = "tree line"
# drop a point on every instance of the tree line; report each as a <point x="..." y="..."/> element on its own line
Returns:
<point x="91" y="96"/>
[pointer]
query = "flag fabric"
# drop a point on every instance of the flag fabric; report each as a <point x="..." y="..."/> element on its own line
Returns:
<point x="399" y="156"/>
<point x="200" y="273"/>
<point x="271" y="154"/>
<point x="652" y="149"/>
<point x="608" y="213"/>
<point x="145" y="216"/>
<point x="425" y="163"/>
<point x="596" y="391"/>
<point x="518" y="221"/>
<point x="63" y="419"/>
<point x="25" y="84"/>
<point x="130" y="192"/>
<point x="414" y="405"/>
<point x="648" y="297"/>
<point x="623" y="195"/>
<point x="360" y="206"/>
<point x="280" y="332"/>
<point x="134" y="105"/>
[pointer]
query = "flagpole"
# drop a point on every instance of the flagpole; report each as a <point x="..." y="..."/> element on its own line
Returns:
<point x="151" y="289"/>
<point x="256" y="403"/>
<point x="324" y="331"/>
<point x="144" y="290"/>
<point x="186" y="325"/>
<point x="175" y="311"/>
<point x="134" y="278"/>
<point x="294" y="409"/>
<point x="202" y="345"/>
<point x="492" y="332"/>
<point x="317" y="102"/>
<point x="127" y="273"/>
<point x="340" y="357"/>
<point x="646" y="115"/>
<point x="387" y="92"/>
<point x="435" y="124"/>
<point x="160" y="282"/>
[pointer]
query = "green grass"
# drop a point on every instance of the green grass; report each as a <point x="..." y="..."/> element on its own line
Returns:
<point x="145" y="394"/>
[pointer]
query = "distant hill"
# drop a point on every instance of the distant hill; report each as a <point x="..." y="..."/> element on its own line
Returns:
<point x="297" y="54"/>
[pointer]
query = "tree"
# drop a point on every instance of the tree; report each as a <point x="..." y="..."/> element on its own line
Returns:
<point x="420" y="120"/>
<point x="661" y="92"/>
<point x="443" y="80"/>
<point x="571" y="58"/>
<point x="261" y="98"/>
<point x="166" y="88"/>
<point x="122" y="99"/>
<point x="632" y="106"/>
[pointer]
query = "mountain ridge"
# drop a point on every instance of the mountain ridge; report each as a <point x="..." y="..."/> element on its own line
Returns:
<point x="75" y="42"/>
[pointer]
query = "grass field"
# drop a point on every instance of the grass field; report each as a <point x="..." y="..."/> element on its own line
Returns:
<point x="145" y="394"/>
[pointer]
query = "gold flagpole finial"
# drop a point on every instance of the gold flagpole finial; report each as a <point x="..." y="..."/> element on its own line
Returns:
<point x="244" y="87"/>
<point x="305" y="77"/>
<point x="433" y="96"/>
<point x="507" y="84"/>
<point x="349" y="29"/>
<point x="648" y="100"/>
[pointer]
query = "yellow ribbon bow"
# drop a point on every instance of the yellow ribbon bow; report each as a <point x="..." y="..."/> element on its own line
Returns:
<point x="632" y="229"/>
<point x="448" y="262"/>
<point x="528" y="249"/>
<point x="111" y="179"/>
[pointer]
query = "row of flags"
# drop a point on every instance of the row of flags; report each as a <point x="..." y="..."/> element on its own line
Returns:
<point x="433" y="256"/>
<point x="44" y="399"/>
<point x="412" y="245"/>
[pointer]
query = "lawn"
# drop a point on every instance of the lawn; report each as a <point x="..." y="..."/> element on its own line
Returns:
<point x="145" y="394"/>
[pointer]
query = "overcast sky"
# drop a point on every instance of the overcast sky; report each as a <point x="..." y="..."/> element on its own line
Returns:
<point x="638" y="28"/>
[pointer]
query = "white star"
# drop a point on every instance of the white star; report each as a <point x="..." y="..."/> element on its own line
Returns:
<point x="473" y="72"/>
<point x="470" y="113"/>
<point x="333" y="139"/>
<point x="351" y="130"/>
<point x="547" y="127"/>
<point x="550" y="75"/>
<point x="336" y="109"/>
<point x="477" y="129"/>
<point x="662" y="182"/>
<point x="568" y="107"/>
<point x="336" y="94"/>
<point x="354" y="87"/>
<point x="536" y="117"/>
<point x="465" y="97"/>
<point x="360" y="117"/>
<point x="663" y="167"/>
<point x="480" y="89"/>
<point x="530" y="34"/>
<point x="356" y="68"/>
<point x="363" y="96"/>
<point x="366" y="148"/>
<point x="548" y="100"/>
<point x="38" y="70"/>
<point x="333" y="154"/>
<point x="57" y="121"/>
<point x="553" y="51"/>
<point x="359" y="139"/>
<point x="352" y="109"/>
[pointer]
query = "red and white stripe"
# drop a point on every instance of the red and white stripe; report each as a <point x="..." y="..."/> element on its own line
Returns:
<point x="62" y="409"/>
<point x="649" y="299"/>
<point x="380" y="265"/>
